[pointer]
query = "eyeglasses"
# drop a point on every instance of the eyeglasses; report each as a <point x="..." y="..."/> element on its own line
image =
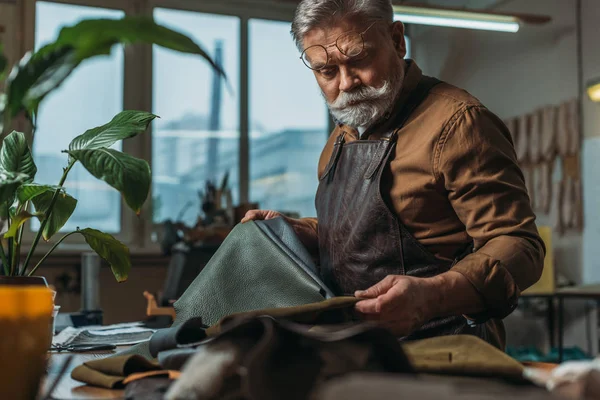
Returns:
<point x="350" y="44"/>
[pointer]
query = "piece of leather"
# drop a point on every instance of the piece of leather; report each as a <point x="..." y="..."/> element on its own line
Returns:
<point x="462" y="355"/>
<point x="149" y="388"/>
<point x="170" y="374"/>
<point x="535" y="142"/>
<point x="544" y="186"/>
<point x="548" y="136"/>
<point x="563" y="136"/>
<point x="522" y="139"/>
<point x="175" y="359"/>
<point x="248" y="272"/>
<point x="111" y="371"/>
<point x="377" y="386"/>
<point x="282" y="234"/>
<point x="190" y="331"/>
<point x="512" y="126"/>
<point x="568" y="201"/>
<point x="574" y="131"/>
<point x="284" y="360"/>
<point x="529" y="175"/>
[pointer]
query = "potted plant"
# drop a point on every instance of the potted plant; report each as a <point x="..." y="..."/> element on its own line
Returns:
<point x="21" y="199"/>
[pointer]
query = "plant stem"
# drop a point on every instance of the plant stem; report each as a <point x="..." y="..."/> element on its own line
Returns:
<point x="18" y="242"/>
<point x="50" y="251"/>
<point x="47" y="216"/>
<point x="4" y="260"/>
<point x="10" y="242"/>
<point x="14" y="260"/>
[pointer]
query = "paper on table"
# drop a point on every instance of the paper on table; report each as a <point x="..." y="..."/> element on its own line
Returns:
<point x="118" y="334"/>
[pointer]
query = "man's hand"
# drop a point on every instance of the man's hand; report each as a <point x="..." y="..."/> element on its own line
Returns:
<point x="404" y="303"/>
<point x="400" y="303"/>
<point x="259" y="215"/>
<point x="305" y="231"/>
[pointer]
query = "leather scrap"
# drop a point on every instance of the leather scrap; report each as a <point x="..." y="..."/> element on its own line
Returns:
<point x="522" y="139"/>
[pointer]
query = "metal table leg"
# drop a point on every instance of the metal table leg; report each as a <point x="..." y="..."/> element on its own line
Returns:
<point x="550" y="314"/>
<point x="560" y="328"/>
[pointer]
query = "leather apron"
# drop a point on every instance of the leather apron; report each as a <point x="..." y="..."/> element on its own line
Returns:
<point x="361" y="240"/>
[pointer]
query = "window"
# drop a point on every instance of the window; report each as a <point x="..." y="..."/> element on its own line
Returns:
<point x="288" y="121"/>
<point x="91" y="96"/>
<point x="197" y="135"/>
<point x="267" y="121"/>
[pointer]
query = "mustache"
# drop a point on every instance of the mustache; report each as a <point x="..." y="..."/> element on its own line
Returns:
<point x="359" y="95"/>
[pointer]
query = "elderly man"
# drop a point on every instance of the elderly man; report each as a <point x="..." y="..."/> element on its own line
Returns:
<point x="422" y="210"/>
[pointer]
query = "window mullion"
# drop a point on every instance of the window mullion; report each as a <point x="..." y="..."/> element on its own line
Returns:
<point x="244" y="114"/>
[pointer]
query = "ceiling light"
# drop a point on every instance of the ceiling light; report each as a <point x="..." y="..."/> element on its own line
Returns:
<point x="593" y="90"/>
<point x="457" y="18"/>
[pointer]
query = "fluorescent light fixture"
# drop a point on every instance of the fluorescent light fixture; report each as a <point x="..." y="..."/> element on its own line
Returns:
<point x="456" y="18"/>
<point x="593" y="90"/>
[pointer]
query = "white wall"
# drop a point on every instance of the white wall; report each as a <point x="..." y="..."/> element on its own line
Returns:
<point x="513" y="74"/>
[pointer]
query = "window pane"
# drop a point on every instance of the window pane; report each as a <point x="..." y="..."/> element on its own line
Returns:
<point x="288" y="120"/>
<point x="197" y="135"/>
<point x="91" y="96"/>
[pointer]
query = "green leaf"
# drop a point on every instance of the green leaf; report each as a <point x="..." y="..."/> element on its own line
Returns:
<point x="61" y="212"/>
<point x="129" y="175"/>
<point x="28" y="191"/>
<point x="39" y="73"/>
<point x="16" y="222"/>
<point x="9" y="182"/>
<point x="97" y="36"/>
<point x="115" y="253"/>
<point x="36" y="75"/>
<point x="124" y="125"/>
<point x="15" y="156"/>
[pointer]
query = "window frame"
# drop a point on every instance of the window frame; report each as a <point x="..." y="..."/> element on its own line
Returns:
<point x="137" y="233"/>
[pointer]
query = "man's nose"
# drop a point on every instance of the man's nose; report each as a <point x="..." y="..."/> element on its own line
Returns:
<point x="348" y="79"/>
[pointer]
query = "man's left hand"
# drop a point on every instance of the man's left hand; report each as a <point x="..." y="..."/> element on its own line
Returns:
<point x="400" y="303"/>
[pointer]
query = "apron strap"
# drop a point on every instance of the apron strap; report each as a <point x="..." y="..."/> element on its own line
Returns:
<point x="335" y="155"/>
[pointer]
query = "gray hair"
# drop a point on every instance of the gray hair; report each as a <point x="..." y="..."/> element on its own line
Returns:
<point x="311" y="14"/>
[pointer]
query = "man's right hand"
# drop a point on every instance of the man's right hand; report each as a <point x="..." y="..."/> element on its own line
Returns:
<point x="305" y="229"/>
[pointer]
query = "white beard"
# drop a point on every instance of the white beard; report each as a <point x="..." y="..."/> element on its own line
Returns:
<point x="372" y="104"/>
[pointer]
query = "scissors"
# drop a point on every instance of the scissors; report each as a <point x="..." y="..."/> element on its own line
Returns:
<point x="82" y="348"/>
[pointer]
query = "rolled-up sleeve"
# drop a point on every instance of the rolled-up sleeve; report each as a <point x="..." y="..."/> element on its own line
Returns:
<point x="476" y="162"/>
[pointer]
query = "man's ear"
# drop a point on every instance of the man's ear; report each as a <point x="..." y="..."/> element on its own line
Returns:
<point x="397" y="30"/>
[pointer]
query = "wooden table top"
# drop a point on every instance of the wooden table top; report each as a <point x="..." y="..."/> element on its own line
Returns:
<point x="67" y="388"/>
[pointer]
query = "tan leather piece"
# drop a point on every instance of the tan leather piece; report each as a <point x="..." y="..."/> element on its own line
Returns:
<point x="535" y="137"/>
<point x="522" y="139"/>
<point x="512" y="124"/>
<point x="544" y="186"/>
<point x="549" y="131"/>
<point x="143" y="375"/>
<point x="563" y="135"/>
<point x="574" y="132"/>
<point x="461" y="355"/>
<point x="529" y="175"/>
<point x="568" y="202"/>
